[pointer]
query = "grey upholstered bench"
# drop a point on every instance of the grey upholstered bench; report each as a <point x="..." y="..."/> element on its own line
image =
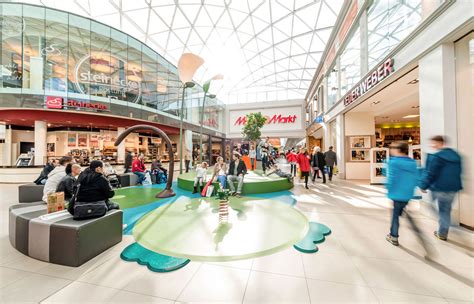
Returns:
<point x="29" y="193"/>
<point x="57" y="238"/>
<point x="127" y="179"/>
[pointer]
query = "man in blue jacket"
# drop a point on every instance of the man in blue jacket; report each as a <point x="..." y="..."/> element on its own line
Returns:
<point x="401" y="183"/>
<point x="442" y="176"/>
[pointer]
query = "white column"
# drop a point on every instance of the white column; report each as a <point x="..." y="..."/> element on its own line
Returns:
<point x="340" y="145"/>
<point x="7" y="148"/>
<point x="41" y="128"/>
<point x="437" y="92"/>
<point x="121" y="147"/>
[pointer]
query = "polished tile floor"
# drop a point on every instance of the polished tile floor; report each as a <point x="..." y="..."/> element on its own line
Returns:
<point x="354" y="265"/>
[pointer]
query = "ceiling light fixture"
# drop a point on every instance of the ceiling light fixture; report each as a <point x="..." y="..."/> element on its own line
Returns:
<point x="414" y="81"/>
<point x="376" y="102"/>
<point x="415" y="107"/>
<point x="412" y="116"/>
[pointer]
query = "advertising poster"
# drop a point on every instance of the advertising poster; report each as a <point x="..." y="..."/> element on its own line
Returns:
<point x="82" y="140"/>
<point x="71" y="139"/>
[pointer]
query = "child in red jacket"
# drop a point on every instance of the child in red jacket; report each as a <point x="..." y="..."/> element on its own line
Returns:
<point x="291" y="157"/>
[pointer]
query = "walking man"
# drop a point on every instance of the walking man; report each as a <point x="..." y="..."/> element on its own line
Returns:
<point x="331" y="161"/>
<point x="442" y="176"/>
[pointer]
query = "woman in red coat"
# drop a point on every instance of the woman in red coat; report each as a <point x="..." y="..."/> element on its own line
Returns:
<point x="305" y="166"/>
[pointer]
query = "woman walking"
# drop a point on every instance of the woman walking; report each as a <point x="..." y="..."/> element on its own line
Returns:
<point x="305" y="166"/>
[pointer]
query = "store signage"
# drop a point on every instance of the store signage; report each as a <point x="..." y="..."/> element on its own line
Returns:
<point x="377" y="75"/>
<point x="275" y="119"/>
<point x="104" y="74"/>
<point x="53" y="102"/>
<point x="319" y="119"/>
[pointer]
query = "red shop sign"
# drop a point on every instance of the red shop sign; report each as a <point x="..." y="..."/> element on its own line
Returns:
<point x="275" y="119"/>
<point x="53" y="102"/>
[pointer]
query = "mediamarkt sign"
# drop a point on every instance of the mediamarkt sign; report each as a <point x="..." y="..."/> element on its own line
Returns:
<point x="369" y="82"/>
<point x="275" y="119"/>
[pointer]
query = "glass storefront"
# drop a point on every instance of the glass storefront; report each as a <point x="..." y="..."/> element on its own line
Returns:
<point x="53" y="54"/>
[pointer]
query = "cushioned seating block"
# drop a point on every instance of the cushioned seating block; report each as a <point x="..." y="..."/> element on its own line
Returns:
<point x="30" y="193"/>
<point x="58" y="238"/>
<point x="128" y="179"/>
<point x="124" y="179"/>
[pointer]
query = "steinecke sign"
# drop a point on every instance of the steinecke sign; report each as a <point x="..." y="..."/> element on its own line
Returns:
<point x="275" y="119"/>
<point x="380" y="73"/>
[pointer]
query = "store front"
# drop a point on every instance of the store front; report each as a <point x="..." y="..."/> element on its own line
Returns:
<point x="285" y="124"/>
<point x="61" y="64"/>
<point x="378" y="89"/>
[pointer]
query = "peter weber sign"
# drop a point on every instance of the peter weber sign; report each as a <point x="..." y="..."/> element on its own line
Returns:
<point x="377" y="75"/>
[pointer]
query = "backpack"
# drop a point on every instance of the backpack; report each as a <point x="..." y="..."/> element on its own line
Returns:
<point x="86" y="210"/>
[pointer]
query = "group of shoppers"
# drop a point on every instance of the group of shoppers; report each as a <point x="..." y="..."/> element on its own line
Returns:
<point x="224" y="174"/>
<point x="139" y="169"/>
<point x="90" y="185"/>
<point x="441" y="175"/>
<point x="317" y="161"/>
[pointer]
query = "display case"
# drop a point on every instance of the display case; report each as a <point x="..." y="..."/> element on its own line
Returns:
<point x="378" y="163"/>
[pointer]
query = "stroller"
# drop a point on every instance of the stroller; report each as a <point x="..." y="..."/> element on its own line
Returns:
<point x="160" y="176"/>
<point x="112" y="176"/>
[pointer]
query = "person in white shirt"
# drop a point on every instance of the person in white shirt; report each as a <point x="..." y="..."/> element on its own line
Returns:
<point x="55" y="176"/>
<point x="200" y="178"/>
<point x="252" y="156"/>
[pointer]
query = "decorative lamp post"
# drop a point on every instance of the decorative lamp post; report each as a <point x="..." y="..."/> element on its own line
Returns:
<point x="205" y="88"/>
<point x="187" y="65"/>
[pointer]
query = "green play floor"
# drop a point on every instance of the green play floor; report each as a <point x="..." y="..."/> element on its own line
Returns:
<point x="135" y="196"/>
<point x="189" y="228"/>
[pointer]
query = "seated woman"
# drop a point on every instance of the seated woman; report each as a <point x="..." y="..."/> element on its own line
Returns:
<point x="220" y="169"/>
<point x="94" y="187"/>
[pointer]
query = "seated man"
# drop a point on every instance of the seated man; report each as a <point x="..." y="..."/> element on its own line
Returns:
<point x="67" y="183"/>
<point x="55" y="176"/>
<point x="237" y="169"/>
<point x="275" y="170"/>
<point x="94" y="187"/>
<point x="139" y="169"/>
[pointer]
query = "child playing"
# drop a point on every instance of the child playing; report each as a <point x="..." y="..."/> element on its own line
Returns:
<point x="200" y="178"/>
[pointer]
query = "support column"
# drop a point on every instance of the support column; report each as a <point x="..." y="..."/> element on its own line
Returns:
<point x="121" y="147"/>
<point x="437" y="92"/>
<point x="340" y="146"/>
<point x="41" y="129"/>
<point x="7" y="147"/>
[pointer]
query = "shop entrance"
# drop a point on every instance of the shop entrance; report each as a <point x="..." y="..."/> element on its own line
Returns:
<point x="390" y="115"/>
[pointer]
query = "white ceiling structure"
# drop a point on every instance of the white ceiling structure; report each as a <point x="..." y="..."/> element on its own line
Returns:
<point x="266" y="49"/>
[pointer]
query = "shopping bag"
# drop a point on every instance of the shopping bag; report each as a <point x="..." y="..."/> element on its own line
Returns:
<point x="147" y="180"/>
<point x="335" y="170"/>
<point x="210" y="190"/>
<point x="55" y="202"/>
<point x="204" y="190"/>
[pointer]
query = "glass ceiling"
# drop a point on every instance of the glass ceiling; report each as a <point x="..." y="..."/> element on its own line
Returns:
<point x="266" y="49"/>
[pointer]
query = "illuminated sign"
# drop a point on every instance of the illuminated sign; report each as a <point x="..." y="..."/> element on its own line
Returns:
<point x="275" y="119"/>
<point x="53" y="102"/>
<point x="108" y="75"/>
<point x="377" y="75"/>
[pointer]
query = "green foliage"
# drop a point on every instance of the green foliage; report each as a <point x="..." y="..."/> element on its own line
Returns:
<point x="251" y="131"/>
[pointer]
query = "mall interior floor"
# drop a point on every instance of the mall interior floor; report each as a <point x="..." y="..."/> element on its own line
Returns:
<point x="354" y="264"/>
